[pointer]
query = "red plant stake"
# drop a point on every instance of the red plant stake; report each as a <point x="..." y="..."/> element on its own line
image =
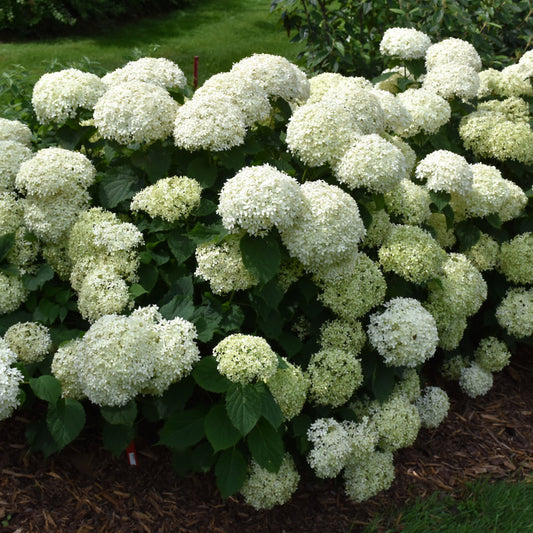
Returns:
<point x="132" y="454"/>
<point x="195" y="73"/>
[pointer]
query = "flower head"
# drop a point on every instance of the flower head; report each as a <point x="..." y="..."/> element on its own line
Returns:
<point x="404" y="43"/>
<point x="31" y="341"/>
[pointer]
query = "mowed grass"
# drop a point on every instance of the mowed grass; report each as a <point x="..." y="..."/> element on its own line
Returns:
<point x="481" y="507"/>
<point x="218" y="32"/>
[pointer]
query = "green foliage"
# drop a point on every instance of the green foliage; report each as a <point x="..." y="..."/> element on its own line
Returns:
<point x="343" y="36"/>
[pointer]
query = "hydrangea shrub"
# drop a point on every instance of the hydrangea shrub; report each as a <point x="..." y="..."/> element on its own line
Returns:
<point x="267" y="270"/>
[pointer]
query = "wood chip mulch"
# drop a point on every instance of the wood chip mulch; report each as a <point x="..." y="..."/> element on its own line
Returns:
<point x="84" y="489"/>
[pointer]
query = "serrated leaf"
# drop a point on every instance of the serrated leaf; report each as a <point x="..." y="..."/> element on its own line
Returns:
<point x="202" y="233"/>
<point x="206" y="319"/>
<point x="467" y="234"/>
<point x="244" y="404"/>
<point x="271" y="410"/>
<point x="181" y="246"/>
<point x="205" y="373"/>
<point x="230" y="471"/>
<point x="136" y="290"/>
<point x="124" y="415"/>
<point x="219" y="430"/>
<point x="46" y="388"/>
<point x="440" y="198"/>
<point x="65" y="420"/>
<point x="232" y="318"/>
<point x="115" y="188"/>
<point x="117" y="437"/>
<point x="182" y="429"/>
<point x="266" y="446"/>
<point x="35" y="282"/>
<point x="202" y="171"/>
<point x="494" y="220"/>
<point x="261" y="256"/>
<point x="155" y="162"/>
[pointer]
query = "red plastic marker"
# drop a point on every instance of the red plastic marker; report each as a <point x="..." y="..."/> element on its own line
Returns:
<point x="195" y="73"/>
<point x="132" y="454"/>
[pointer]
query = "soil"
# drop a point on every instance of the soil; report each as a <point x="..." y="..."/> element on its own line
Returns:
<point x="84" y="489"/>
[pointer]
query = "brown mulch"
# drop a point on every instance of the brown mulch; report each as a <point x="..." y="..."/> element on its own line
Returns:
<point x="83" y="489"/>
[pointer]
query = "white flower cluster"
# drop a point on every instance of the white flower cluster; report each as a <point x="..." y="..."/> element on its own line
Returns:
<point x="412" y="253"/>
<point x="322" y="83"/>
<point x="10" y="378"/>
<point x="410" y="202"/>
<point x="515" y="312"/>
<point x="55" y="183"/>
<point x="12" y="155"/>
<point x="443" y="170"/>
<point x="222" y="266"/>
<point x="433" y="406"/>
<point x="452" y="50"/>
<point x="328" y="229"/>
<point x="346" y="335"/>
<point x="172" y="199"/>
<point x="14" y="130"/>
<point x="135" y="112"/>
<point x="492" y="354"/>
<point x="258" y="198"/>
<point x="12" y="293"/>
<point x="30" y="341"/>
<point x="264" y="490"/>
<point x="58" y="96"/>
<point x="404" y="43"/>
<point x="475" y="380"/>
<point x="405" y="334"/>
<point x="484" y="254"/>
<point x="397" y="117"/>
<point x="516" y="259"/>
<point x="103" y="256"/>
<point x="511" y="81"/>
<point x="334" y="375"/>
<point x="123" y="356"/>
<point x="289" y="386"/>
<point x="157" y="71"/>
<point x="245" y="358"/>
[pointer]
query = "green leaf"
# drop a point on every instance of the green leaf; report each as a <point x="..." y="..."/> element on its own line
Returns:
<point x="206" y="207"/>
<point x="244" y="404"/>
<point x="115" y="188"/>
<point x="7" y="242"/>
<point x="155" y="162"/>
<point x="230" y="471"/>
<point x="35" y="282"/>
<point x="117" y="437"/>
<point x="46" y="388"/>
<point x="440" y="198"/>
<point x="271" y="410"/>
<point x="148" y="274"/>
<point x="382" y="382"/>
<point x="261" y="256"/>
<point x="201" y="233"/>
<point x="266" y="446"/>
<point x="136" y="290"/>
<point x="179" y="305"/>
<point x="219" y="430"/>
<point x="40" y="439"/>
<point x="202" y="171"/>
<point x="65" y="420"/>
<point x="206" y="319"/>
<point x="181" y="246"/>
<point x="205" y="373"/>
<point x="467" y="234"/>
<point x="232" y="318"/>
<point x="197" y="459"/>
<point x="124" y="415"/>
<point x="494" y="220"/>
<point x="182" y="429"/>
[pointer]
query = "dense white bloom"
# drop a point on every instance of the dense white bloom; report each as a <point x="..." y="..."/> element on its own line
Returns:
<point x="12" y="293"/>
<point x="346" y="335"/>
<point x="12" y="155"/>
<point x="258" y="198"/>
<point x="492" y="354"/>
<point x="321" y="132"/>
<point x="452" y="50"/>
<point x="335" y="374"/>
<point x="31" y="341"/>
<point x="210" y="122"/>
<point x="516" y="259"/>
<point x="453" y="80"/>
<point x="135" y="112"/>
<point x="526" y="64"/>
<point x="443" y="170"/>
<point x="222" y="266"/>
<point x="14" y="130"/>
<point x="513" y="82"/>
<point x="451" y="368"/>
<point x="245" y="93"/>
<point x="329" y="228"/>
<point x="373" y="163"/>
<point x="352" y="288"/>
<point x="171" y="198"/>
<point x="378" y="229"/>
<point x="484" y="254"/>
<point x="433" y="406"/>
<point x="245" y="358"/>
<point x="158" y="71"/>
<point x="404" y="43"/>
<point x="451" y="325"/>
<point x="410" y="202"/>
<point x="397" y="117"/>
<point x="408" y="386"/>
<point x="515" y="312"/>
<point x="444" y="235"/>
<point x="405" y="334"/>
<point x="412" y="253"/>
<point x="475" y="381"/>
<point x="428" y="110"/>
<point x="64" y="369"/>
<point x="58" y="96"/>
<point x="10" y="378"/>
<point x="264" y="489"/>
<point x="322" y="83"/>
<point x="366" y="477"/>
<point x="276" y="75"/>
<point x="289" y="387"/>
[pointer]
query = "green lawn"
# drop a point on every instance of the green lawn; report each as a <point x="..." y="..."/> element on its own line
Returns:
<point x="219" y="32"/>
